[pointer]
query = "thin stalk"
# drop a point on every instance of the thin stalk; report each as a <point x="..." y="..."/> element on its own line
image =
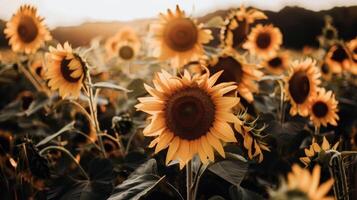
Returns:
<point x="93" y="112"/>
<point x="189" y="180"/>
<point x="69" y="154"/>
<point x="317" y="130"/>
<point x="282" y="104"/>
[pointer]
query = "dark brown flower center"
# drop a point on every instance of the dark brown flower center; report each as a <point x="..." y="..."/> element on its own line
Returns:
<point x="38" y="70"/>
<point x="263" y="40"/>
<point x="27" y="29"/>
<point x="240" y="33"/>
<point x="126" y="52"/>
<point x="339" y="54"/>
<point x="299" y="87"/>
<point x="233" y="71"/>
<point x="275" y="62"/>
<point x="325" y="69"/>
<point x="190" y="113"/>
<point x="181" y="34"/>
<point x="330" y="34"/>
<point x="66" y="71"/>
<point x="320" y="109"/>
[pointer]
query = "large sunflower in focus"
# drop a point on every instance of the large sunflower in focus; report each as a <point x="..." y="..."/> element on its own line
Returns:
<point x="352" y="47"/>
<point x="236" y="26"/>
<point x="235" y="69"/>
<point x="301" y="86"/>
<point x="178" y="38"/>
<point x="277" y="64"/>
<point x="301" y="184"/>
<point x="124" y="45"/>
<point x="338" y="58"/>
<point x="189" y="115"/>
<point x="324" y="109"/>
<point x="264" y="40"/>
<point x="26" y="30"/>
<point x="65" y="71"/>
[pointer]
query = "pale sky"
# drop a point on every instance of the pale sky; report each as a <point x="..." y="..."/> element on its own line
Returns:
<point x="73" y="12"/>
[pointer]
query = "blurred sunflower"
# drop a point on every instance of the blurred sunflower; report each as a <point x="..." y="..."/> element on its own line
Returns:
<point x="37" y="67"/>
<point x="125" y="44"/>
<point x="326" y="72"/>
<point x="178" y="38"/>
<point x="352" y="47"/>
<point x="235" y="69"/>
<point x="324" y="109"/>
<point x="277" y="64"/>
<point x="301" y="184"/>
<point x="65" y="71"/>
<point x="316" y="149"/>
<point x="236" y="26"/>
<point x="189" y="115"/>
<point x="338" y="58"/>
<point x="252" y="140"/>
<point x="301" y="86"/>
<point x="264" y="40"/>
<point x="26" y="30"/>
<point x="329" y="34"/>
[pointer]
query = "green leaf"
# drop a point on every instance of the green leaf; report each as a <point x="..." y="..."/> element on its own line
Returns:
<point x="240" y="193"/>
<point x="135" y="188"/>
<point x="233" y="169"/>
<point x="137" y="86"/>
<point x="47" y="139"/>
<point x="108" y="85"/>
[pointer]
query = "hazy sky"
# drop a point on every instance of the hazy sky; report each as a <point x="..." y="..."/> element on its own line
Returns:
<point x="73" y="12"/>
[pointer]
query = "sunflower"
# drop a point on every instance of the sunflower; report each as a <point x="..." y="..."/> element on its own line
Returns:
<point x="235" y="69"/>
<point x="37" y="67"/>
<point x="65" y="70"/>
<point x="352" y="47"/>
<point x="252" y="140"/>
<point x="329" y="34"/>
<point x="124" y="45"/>
<point x="301" y="86"/>
<point x="316" y="149"/>
<point x="236" y="26"/>
<point x="326" y="72"/>
<point x="26" y="30"/>
<point x="189" y="115"/>
<point x="338" y="58"/>
<point x="277" y="64"/>
<point x="178" y="38"/>
<point x="264" y="40"/>
<point x="323" y="108"/>
<point x="301" y="184"/>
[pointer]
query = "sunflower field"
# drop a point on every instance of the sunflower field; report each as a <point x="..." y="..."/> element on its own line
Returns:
<point x="179" y="107"/>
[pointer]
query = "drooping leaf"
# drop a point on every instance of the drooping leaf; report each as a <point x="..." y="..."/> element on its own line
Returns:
<point x="136" y="187"/>
<point x="108" y="85"/>
<point x="233" y="169"/>
<point x="240" y="193"/>
<point x="47" y="139"/>
<point x="98" y="187"/>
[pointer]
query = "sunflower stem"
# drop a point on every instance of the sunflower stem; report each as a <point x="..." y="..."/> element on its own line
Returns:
<point x="93" y="112"/>
<point x="282" y="105"/>
<point x="189" y="180"/>
<point x="317" y="130"/>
